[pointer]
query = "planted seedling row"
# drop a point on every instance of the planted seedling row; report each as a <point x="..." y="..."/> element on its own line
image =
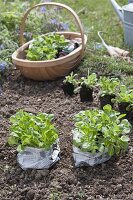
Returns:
<point x="84" y="86"/>
<point x="110" y="91"/>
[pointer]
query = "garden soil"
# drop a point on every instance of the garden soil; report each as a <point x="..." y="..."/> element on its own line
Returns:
<point x="111" y="180"/>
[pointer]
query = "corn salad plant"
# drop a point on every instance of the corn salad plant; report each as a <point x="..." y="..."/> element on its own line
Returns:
<point x="125" y="95"/>
<point x="46" y="47"/>
<point x="71" y="79"/>
<point x="29" y="130"/>
<point x="89" y="81"/>
<point x="101" y="131"/>
<point x="108" y="86"/>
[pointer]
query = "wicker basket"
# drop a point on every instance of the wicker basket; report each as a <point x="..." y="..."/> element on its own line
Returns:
<point x="50" y="69"/>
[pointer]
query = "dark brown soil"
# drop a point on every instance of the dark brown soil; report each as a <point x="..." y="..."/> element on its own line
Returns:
<point x="111" y="180"/>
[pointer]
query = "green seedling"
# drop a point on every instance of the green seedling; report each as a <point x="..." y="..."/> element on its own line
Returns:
<point x="101" y="131"/>
<point x="29" y="130"/>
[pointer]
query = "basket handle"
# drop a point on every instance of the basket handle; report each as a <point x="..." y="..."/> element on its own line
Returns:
<point x="22" y="26"/>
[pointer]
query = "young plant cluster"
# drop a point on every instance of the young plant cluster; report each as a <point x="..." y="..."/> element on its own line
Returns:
<point x="111" y="91"/>
<point x="95" y="131"/>
<point x="124" y="99"/>
<point x="108" y="89"/>
<point x="46" y="47"/>
<point x="29" y="130"/>
<point x="85" y="85"/>
<point x="108" y="86"/>
<point x="101" y="131"/>
<point x="70" y="83"/>
<point x="125" y="95"/>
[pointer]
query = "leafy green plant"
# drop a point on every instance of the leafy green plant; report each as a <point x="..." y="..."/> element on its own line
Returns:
<point x="125" y="95"/>
<point x="7" y="45"/>
<point x="108" y="86"/>
<point x="10" y="20"/>
<point x="89" y="81"/>
<point x="101" y="131"/>
<point x="46" y="47"/>
<point x="71" y="79"/>
<point x="55" y="195"/>
<point x="32" y="130"/>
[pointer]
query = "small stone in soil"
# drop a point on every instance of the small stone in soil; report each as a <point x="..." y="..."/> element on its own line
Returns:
<point x="55" y="184"/>
<point x="38" y="176"/>
<point x="43" y="172"/>
<point x="30" y="194"/>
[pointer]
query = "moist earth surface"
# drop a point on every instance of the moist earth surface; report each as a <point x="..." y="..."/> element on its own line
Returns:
<point x="110" y="180"/>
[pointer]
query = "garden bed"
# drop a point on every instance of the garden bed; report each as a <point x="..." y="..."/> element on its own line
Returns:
<point x="111" y="180"/>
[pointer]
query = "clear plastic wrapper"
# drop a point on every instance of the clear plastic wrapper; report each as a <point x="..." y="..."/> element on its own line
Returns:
<point x="88" y="159"/>
<point x="35" y="158"/>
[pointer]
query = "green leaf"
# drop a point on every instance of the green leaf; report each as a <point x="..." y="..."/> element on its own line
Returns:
<point x="101" y="149"/>
<point x="107" y="108"/>
<point x="20" y="148"/>
<point x="125" y="138"/>
<point x="111" y="151"/>
<point x="12" y="141"/>
<point x="108" y="86"/>
<point x="89" y="81"/>
<point x="71" y="79"/>
<point x="121" y="116"/>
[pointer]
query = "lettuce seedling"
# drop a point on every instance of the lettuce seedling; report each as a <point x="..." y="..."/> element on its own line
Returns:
<point x="29" y="130"/>
<point x="108" y="86"/>
<point x="101" y="131"/>
<point x="86" y="87"/>
<point x="46" y="47"/>
<point x="125" y="96"/>
<point x="88" y="81"/>
<point x="69" y="84"/>
<point x="71" y="79"/>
